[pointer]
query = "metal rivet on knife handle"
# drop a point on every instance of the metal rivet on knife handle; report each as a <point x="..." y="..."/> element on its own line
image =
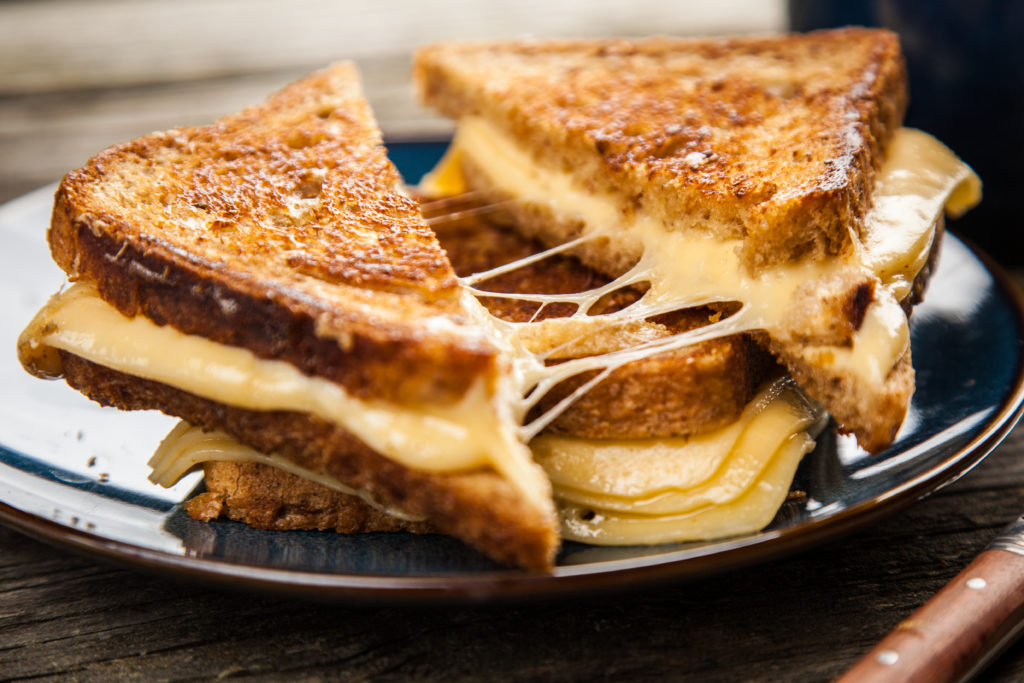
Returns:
<point x="962" y="628"/>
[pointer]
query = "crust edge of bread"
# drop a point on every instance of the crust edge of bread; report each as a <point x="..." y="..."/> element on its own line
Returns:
<point x="479" y="506"/>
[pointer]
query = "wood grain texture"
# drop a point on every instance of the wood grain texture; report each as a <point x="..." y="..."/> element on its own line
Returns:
<point x="956" y="630"/>
<point x="803" y="618"/>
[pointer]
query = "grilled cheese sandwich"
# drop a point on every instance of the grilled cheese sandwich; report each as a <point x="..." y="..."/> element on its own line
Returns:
<point x="267" y="277"/>
<point x="364" y="365"/>
<point x="831" y="313"/>
<point x="435" y="438"/>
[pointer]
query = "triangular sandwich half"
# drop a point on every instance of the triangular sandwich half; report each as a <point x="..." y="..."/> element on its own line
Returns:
<point x="265" y="276"/>
<point x="768" y="170"/>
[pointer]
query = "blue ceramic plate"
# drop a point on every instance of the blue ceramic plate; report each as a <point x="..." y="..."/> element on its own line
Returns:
<point x="74" y="474"/>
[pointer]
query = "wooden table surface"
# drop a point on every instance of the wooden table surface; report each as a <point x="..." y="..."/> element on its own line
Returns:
<point x="79" y="76"/>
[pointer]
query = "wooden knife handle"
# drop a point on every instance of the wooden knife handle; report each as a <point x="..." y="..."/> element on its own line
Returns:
<point x="963" y="627"/>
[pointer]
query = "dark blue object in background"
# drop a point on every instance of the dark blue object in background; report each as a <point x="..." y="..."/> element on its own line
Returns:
<point x="966" y="67"/>
<point x="414" y="159"/>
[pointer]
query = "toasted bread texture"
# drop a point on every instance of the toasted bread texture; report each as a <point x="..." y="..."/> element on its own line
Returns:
<point x="873" y="414"/>
<point x="479" y="506"/>
<point x="268" y="498"/>
<point x="775" y="139"/>
<point x="283" y="230"/>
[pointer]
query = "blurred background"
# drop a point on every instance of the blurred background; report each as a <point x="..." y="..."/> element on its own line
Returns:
<point x="966" y="67"/>
<point x="76" y="76"/>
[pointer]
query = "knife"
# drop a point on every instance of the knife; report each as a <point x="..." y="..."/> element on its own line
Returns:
<point x="953" y="636"/>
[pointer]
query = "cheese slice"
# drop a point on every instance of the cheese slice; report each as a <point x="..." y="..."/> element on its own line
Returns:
<point x="478" y="431"/>
<point x="727" y="483"/>
<point x="748" y="513"/>
<point x="673" y="476"/>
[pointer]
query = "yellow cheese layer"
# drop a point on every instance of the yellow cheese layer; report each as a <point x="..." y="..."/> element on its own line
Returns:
<point x="684" y="268"/>
<point x="478" y="431"/>
<point x="748" y="513"/>
<point x="725" y="483"/>
<point x="660" y="491"/>
<point x="186" y="446"/>
<point x="675" y="475"/>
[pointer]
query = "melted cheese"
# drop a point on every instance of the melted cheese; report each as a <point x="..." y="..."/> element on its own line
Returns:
<point x="446" y="179"/>
<point x="877" y="345"/>
<point x="920" y="178"/>
<point x="726" y="483"/>
<point x="673" y="476"/>
<point x="747" y="513"/>
<point x="186" y="446"/>
<point x="642" y="488"/>
<point x="684" y="269"/>
<point x="478" y="431"/>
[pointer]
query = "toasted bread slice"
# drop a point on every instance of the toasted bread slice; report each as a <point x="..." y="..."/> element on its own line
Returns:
<point x="477" y="506"/>
<point x="287" y="223"/>
<point x="265" y="497"/>
<point x="772" y="139"/>
<point x="282" y="233"/>
<point x="737" y="169"/>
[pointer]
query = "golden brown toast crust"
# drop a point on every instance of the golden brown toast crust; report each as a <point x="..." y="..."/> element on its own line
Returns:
<point x="281" y="229"/>
<point x="844" y="396"/>
<point x="268" y="498"/>
<point x="775" y="139"/>
<point x="479" y="507"/>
